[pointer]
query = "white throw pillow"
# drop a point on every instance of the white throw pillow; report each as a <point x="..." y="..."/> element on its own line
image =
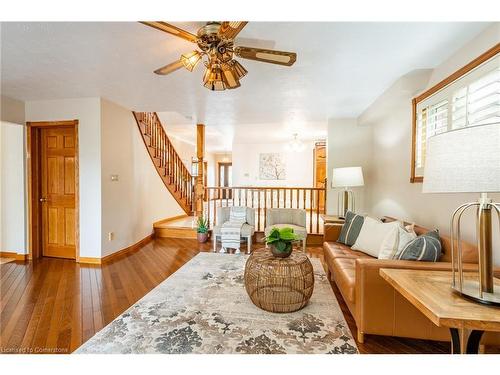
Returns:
<point x="372" y="233"/>
<point x="396" y="240"/>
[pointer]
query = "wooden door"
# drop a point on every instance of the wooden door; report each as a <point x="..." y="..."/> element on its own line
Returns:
<point x="57" y="192"/>
<point x="320" y="171"/>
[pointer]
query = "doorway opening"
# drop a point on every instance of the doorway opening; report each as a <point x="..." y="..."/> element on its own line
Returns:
<point x="53" y="189"/>
<point x="225" y="179"/>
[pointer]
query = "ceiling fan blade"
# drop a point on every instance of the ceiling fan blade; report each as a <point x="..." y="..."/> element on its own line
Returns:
<point x="171" y="29"/>
<point x="167" y="69"/>
<point x="266" y="55"/>
<point x="229" y="29"/>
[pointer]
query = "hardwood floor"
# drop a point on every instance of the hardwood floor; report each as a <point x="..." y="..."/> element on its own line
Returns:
<point x="55" y="305"/>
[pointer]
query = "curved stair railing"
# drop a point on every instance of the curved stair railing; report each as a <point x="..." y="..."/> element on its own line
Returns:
<point x="166" y="160"/>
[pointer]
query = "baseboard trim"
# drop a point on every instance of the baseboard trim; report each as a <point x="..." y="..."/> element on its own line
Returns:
<point x="110" y="257"/>
<point x="16" y="256"/>
<point x="89" y="260"/>
<point x="129" y="249"/>
<point x="169" y="219"/>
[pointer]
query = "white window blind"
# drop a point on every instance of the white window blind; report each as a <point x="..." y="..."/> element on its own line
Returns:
<point x="473" y="99"/>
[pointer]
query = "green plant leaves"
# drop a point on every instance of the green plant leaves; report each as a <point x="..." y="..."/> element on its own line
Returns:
<point x="202" y="225"/>
<point x="284" y="235"/>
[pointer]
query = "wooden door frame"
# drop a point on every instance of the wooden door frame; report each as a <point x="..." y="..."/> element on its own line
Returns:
<point x="33" y="155"/>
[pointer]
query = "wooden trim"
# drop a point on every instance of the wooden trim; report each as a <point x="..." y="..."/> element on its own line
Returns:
<point x="33" y="179"/>
<point x="128" y="249"/>
<point x="169" y="219"/>
<point x="493" y="51"/>
<point x="16" y="256"/>
<point x="89" y="260"/>
<point x="460" y="72"/>
<point x="108" y="258"/>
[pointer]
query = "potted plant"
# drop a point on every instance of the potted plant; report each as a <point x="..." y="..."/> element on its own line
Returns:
<point x="280" y="241"/>
<point x="202" y="229"/>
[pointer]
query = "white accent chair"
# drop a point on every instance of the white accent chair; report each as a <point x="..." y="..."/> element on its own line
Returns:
<point x="287" y="217"/>
<point x="247" y="229"/>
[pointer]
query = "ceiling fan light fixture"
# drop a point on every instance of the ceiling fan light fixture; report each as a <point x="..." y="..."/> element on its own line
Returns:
<point x="190" y="60"/>
<point x="230" y="78"/>
<point x="213" y="79"/>
<point x="239" y="70"/>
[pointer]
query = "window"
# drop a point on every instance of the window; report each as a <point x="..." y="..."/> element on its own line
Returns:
<point x="469" y="97"/>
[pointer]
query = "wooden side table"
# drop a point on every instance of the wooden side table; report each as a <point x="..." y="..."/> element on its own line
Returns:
<point x="431" y="293"/>
<point x="332" y="219"/>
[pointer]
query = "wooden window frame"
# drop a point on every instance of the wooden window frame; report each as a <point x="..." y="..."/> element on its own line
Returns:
<point x="33" y="179"/>
<point x="493" y="51"/>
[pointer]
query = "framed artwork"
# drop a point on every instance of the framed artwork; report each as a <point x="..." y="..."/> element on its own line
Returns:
<point x="271" y="167"/>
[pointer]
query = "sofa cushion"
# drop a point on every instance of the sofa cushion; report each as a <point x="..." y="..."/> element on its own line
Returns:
<point x="350" y="229"/>
<point x="372" y="235"/>
<point x="426" y="247"/>
<point x="337" y="250"/>
<point x="344" y="273"/>
<point x="395" y="241"/>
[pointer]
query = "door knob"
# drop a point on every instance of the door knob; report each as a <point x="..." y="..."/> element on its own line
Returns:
<point x="43" y="199"/>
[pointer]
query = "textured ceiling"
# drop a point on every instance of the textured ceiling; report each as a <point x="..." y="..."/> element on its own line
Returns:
<point x="341" y="68"/>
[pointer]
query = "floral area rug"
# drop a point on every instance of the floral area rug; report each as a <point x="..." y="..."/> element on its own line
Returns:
<point x="204" y="308"/>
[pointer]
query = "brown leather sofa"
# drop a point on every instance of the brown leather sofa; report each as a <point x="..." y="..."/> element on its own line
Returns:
<point x="376" y="307"/>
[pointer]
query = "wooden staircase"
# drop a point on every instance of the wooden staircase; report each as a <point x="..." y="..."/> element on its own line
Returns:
<point x="166" y="160"/>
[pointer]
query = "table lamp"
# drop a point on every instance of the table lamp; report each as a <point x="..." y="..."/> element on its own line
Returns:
<point x="467" y="160"/>
<point x="346" y="178"/>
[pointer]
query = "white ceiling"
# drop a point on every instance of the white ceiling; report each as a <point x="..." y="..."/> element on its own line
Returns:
<point x="341" y="68"/>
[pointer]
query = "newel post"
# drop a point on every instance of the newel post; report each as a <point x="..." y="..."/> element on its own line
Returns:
<point x="200" y="154"/>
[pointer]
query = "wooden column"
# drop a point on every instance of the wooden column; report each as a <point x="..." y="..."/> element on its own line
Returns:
<point x="200" y="154"/>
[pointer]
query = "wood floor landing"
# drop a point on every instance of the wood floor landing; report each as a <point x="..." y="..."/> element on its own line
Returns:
<point x="55" y="305"/>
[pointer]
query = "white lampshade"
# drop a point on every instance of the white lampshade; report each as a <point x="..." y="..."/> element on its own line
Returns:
<point x="347" y="177"/>
<point x="464" y="160"/>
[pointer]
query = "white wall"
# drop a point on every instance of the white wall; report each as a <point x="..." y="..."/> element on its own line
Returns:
<point x="349" y="145"/>
<point x="12" y="197"/>
<point x="139" y="197"/>
<point x="88" y="112"/>
<point x="390" y="192"/>
<point x="299" y="165"/>
<point x="11" y="110"/>
<point x="185" y="150"/>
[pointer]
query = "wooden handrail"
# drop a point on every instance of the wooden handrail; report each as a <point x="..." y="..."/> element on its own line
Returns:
<point x="166" y="160"/>
<point x="261" y="198"/>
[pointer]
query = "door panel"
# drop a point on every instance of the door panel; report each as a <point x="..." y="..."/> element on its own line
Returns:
<point x="320" y="172"/>
<point x="58" y="192"/>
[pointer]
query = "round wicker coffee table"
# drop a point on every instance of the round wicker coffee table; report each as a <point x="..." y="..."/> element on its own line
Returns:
<point x="279" y="284"/>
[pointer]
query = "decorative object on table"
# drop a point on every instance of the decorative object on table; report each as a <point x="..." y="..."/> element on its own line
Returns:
<point x="346" y="178"/>
<point x="271" y="167"/>
<point x="279" y="285"/>
<point x="280" y="241"/>
<point x="247" y="230"/>
<point x="294" y="218"/>
<point x="467" y="160"/>
<point x="202" y="229"/>
<point x="218" y="317"/>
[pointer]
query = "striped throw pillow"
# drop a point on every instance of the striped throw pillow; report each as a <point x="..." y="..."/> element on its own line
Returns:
<point x="351" y="228"/>
<point x="426" y="247"/>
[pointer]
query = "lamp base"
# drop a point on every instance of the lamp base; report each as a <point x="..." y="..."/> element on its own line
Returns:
<point x="470" y="290"/>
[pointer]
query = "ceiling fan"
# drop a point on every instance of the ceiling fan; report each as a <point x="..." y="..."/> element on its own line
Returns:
<point x="215" y="41"/>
